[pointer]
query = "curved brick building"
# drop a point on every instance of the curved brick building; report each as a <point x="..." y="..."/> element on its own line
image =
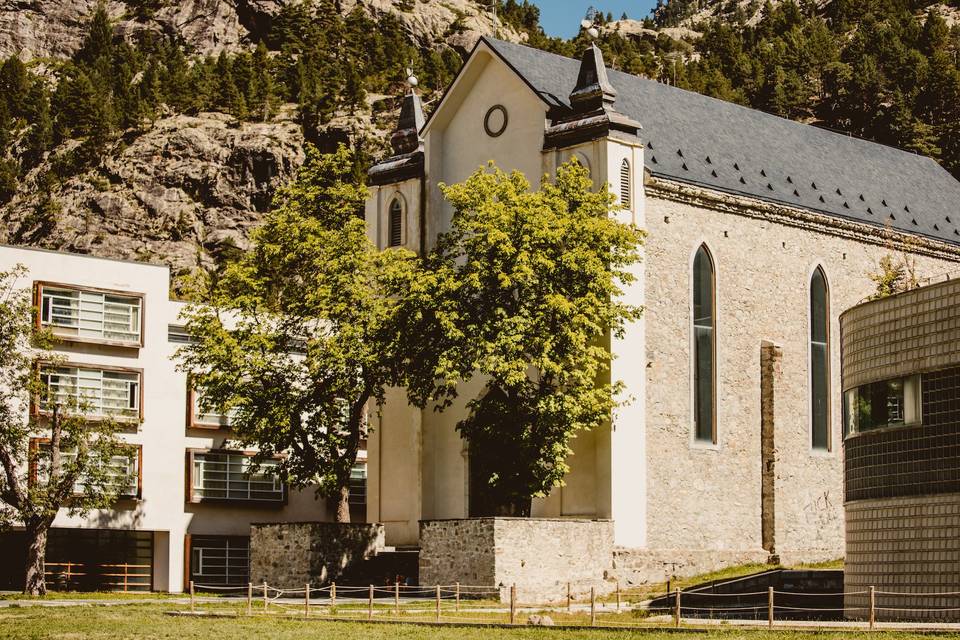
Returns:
<point x="901" y="386"/>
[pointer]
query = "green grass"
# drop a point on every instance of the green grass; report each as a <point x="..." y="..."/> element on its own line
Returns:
<point x="634" y="594"/>
<point x="148" y="621"/>
<point x="96" y="595"/>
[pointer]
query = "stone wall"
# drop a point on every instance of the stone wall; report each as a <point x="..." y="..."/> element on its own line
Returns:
<point x="706" y="501"/>
<point x="538" y="555"/>
<point x="291" y="554"/>
<point x="633" y="567"/>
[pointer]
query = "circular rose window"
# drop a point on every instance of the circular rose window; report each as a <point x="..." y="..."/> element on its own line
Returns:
<point x="495" y="122"/>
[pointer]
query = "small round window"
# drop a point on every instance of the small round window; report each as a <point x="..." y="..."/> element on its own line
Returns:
<point x="495" y="122"/>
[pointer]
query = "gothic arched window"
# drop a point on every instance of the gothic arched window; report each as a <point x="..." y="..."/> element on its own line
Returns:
<point x="704" y="347"/>
<point x="819" y="361"/>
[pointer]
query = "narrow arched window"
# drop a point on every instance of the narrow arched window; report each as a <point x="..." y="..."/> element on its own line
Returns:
<point x="819" y="361"/>
<point x="704" y="347"/>
<point x="625" y="183"/>
<point x="396" y="223"/>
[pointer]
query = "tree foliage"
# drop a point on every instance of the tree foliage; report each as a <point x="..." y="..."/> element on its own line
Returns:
<point x="300" y="333"/>
<point x="523" y="293"/>
<point x="67" y="471"/>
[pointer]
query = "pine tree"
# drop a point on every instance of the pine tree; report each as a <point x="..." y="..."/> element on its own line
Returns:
<point x="262" y="86"/>
<point x="39" y="136"/>
<point x="98" y="44"/>
<point x="14" y="85"/>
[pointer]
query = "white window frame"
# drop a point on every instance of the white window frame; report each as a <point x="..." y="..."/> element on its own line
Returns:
<point x="133" y="461"/>
<point x="88" y="394"/>
<point x="234" y="484"/>
<point x="91" y="315"/>
<point x="200" y="419"/>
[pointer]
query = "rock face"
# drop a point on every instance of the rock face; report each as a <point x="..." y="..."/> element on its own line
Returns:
<point x="55" y="28"/>
<point x="190" y="187"/>
<point x="187" y="189"/>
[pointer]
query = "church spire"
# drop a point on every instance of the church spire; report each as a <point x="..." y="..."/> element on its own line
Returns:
<point x="593" y="91"/>
<point x="406" y="137"/>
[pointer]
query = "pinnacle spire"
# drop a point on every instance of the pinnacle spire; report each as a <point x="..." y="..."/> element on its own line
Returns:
<point x="406" y="137"/>
<point x="593" y="91"/>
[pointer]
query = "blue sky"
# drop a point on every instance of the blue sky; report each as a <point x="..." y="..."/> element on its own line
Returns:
<point x="562" y="17"/>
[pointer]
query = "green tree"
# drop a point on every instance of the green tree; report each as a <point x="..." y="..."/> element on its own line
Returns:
<point x="299" y="335"/>
<point x="67" y="471"/>
<point x="524" y="292"/>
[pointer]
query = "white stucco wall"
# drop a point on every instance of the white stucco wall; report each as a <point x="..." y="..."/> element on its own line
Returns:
<point x="162" y="435"/>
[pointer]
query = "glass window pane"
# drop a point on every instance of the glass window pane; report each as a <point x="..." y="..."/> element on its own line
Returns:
<point x="703" y="328"/>
<point x="819" y="362"/>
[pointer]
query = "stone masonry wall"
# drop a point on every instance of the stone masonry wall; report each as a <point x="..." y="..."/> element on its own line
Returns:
<point x="705" y="501"/>
<point x="291" y="554"/>
<point x="538" y="555"/>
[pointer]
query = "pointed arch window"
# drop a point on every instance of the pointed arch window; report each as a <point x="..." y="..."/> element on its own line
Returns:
<point x="704" y="347"/>
<point x="819" y="361"/>
<point x="395" y="223"/>
<point x="625" y="184"/>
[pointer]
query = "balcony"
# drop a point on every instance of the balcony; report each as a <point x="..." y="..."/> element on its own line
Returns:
<point x="96" y="393"/>
<point x="88" y="315"/>
<point x="219" y="476"/>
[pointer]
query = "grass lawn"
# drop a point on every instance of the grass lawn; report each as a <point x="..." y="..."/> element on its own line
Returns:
<point x="148" y="621"/>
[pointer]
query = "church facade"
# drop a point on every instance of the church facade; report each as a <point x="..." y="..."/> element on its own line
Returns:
<point x="761" y="231"/>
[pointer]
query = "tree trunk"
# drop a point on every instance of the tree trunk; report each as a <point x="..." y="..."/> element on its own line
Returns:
<point x="35" y="583"/>
<point x="343" y="502"/>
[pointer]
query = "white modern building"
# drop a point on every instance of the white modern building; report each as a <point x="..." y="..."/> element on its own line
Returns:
<point x="187" y="515"/>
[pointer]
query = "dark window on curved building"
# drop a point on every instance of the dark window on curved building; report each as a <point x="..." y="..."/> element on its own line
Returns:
<point x="819" y="361"/>
<point x="396" y="223"/>
<point x="704" y="347"/>
<point x="883" y="404"/>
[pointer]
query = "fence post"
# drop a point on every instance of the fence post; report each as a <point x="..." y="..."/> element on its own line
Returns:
<point x="569" y="597"/>
<point x="770" y="607"/>
<point x="593" y="606"/>
<point x="458" y="598"/>
<point x="513" y="604"/>
<point x="124" y="577"/>
<point x="191" y="597"/>
<point x="306" y="601"/>
<point x="370" y="605"/>
<point x="618" y="596"/>
<point x="396" y="597"/>
<point x="249" y="598"/>
<point x="438" y="603"/>
<point x="266" y="601"/>
<point x="676" y="611"/>
<point x="333" y="595"/>
<point x="873" y="606"/>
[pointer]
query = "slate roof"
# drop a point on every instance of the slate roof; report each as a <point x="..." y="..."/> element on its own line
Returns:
<point x="700" y="140"/>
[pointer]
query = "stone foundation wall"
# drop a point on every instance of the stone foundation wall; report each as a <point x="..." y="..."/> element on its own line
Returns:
<point x="644" y="566"/>
<point x="291" y="554"/>
<point x="539" y="555"/>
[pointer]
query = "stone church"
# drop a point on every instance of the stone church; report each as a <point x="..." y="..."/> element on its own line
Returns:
<point x="761" y="231"/>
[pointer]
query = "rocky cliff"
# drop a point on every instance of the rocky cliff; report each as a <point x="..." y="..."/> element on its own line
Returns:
<point x="55" y="28"/>
<point x="187" y="189"/>
<point x="182" y="193"/>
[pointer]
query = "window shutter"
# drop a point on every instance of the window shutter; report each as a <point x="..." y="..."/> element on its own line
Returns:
<point x="396" y="223"/>
<point x="625" y="183"/>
